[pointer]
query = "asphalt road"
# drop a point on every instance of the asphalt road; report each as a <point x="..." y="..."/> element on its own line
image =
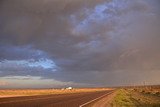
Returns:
<point x="64" y="100"/>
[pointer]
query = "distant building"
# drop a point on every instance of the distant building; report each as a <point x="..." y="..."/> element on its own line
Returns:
<point x="69" y="88"/>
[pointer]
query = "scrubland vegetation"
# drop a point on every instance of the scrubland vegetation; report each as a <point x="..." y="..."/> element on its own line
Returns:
<point x="139" y="97"/>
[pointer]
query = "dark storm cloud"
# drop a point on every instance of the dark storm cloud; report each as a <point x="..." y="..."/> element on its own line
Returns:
<point x="102" y="39"/>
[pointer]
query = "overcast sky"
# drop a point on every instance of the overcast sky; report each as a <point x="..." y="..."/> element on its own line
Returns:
<point x="79" y="43"/>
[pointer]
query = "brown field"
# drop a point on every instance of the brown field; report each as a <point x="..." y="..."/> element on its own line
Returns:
<point x="32" y="92"/>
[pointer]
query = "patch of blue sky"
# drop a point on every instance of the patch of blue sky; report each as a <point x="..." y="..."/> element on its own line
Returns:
<point x="43" y="62"/>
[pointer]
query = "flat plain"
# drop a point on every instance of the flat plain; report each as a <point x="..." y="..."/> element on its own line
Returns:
<point x="148" y="96"/>
<point x="51" y="98"/>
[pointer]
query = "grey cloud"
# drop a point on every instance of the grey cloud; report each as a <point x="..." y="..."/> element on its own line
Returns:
<point x="82" y="41"/>
<point x="9" y="52"/>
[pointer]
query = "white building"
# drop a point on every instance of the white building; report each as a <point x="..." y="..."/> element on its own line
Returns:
<point x="69" y="88"/>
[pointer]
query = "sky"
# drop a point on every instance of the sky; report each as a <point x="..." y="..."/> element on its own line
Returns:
<point x="79" y="43"/>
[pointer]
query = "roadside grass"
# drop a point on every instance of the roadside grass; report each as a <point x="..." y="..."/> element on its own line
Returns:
<point x="132" y="98"/>
<point x="123" y="99"/>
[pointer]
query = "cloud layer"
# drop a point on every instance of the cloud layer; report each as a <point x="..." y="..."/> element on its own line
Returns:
<point x="100" y="42"/>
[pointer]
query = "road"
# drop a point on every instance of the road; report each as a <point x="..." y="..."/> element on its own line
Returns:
<point x="63" y="100"/>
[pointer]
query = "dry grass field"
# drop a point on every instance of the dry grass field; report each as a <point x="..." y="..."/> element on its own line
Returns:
<point x="32" y="92"/>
